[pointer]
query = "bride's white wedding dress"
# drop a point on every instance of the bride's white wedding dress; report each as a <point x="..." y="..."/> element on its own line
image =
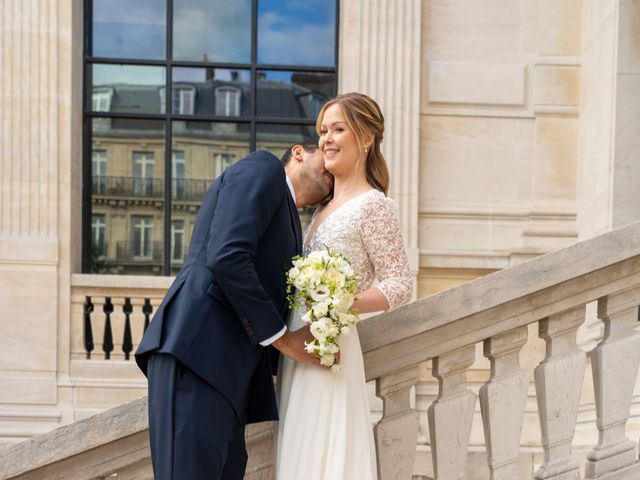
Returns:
<point x="325" y="431"/>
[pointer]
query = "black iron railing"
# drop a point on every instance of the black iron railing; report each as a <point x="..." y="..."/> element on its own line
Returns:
<point x="181" y="188"/>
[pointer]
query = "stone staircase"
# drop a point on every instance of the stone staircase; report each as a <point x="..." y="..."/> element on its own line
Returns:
<point x="555" y="292"/>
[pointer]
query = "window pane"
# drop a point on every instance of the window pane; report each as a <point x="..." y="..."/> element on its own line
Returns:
<point x="293" y="94"/>
<point x="214" y="91"/>
<point x="212" y="30"/>
<point x="297" y="33"/>
<point x="277" y="138"/>
<point x="128" y="167"/>
<point x="201" y="152"/>
<point x="128" y="89"/>
<point x="126" y="29"/>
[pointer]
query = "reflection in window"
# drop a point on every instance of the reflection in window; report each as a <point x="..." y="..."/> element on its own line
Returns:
<point x="311" y="103"/>
<point x="101" y="99"/>
<point x="225" y="44"/>
<point x="126" y="29"/>
<point x="99" y="234"/>
<point x="178" y="250"/>
<point x="217" y="91"/>
<point x="293" y="94"/>
<point x="212" y="30"/>
<point x="277" y="138"/>
<point x="143" y="168"/>
<point x="99" y="169"/>
<point x="126" y="88"/>
<point x="142" y="236"/>
<point x="311" y="24"/>
<point x="178" y="170"/>
<point x="227" y="101"/>
<point x="223" y="161"/>
<point x="183" y="100"/>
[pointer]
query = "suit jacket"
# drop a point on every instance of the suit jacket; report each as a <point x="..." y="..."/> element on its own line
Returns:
<point x="230" y="293"/>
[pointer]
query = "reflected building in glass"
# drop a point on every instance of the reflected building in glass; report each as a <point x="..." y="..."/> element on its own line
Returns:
<point x="161" y="127"/>
<point x="128" y="174"/>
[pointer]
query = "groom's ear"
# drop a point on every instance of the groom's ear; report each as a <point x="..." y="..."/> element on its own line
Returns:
<point x="296" y="153"/>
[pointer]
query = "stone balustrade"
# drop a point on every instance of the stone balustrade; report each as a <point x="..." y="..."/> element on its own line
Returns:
<point x="551" y="291"/>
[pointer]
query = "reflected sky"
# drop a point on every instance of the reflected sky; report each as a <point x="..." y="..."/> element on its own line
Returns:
<point x="126" y="29"/>
<point x="296" y="32"/>
<point x="212" y="30"/>
<point x="128" y="75"/>
<point x="199" y="75"/>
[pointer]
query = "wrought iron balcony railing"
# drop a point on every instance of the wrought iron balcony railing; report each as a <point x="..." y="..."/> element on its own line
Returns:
<point x="185" y="189"/>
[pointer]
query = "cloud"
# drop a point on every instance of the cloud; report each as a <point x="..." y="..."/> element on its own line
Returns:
<point x="219" y="28"/>
<point x="286" y="40"/>
<point x="149" y="12"/>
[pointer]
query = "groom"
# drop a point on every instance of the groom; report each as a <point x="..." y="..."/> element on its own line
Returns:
<point x="206" y="353"/>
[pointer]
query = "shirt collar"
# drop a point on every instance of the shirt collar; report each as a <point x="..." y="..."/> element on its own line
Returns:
<point x="290" y="185"/>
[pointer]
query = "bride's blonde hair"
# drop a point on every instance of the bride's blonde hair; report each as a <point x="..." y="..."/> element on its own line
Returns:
<point x="364" y="117"/>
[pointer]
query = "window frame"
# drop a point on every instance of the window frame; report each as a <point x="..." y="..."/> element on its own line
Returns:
<point x="168" y="116"/>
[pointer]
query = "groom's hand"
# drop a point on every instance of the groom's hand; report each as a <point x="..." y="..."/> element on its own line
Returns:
<point x="291" y="344"/>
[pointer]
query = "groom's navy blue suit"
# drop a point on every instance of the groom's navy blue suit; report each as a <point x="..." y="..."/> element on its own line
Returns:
<point x="202" y="351"/>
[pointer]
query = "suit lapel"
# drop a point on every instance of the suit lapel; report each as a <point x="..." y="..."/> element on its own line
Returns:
<point x="295" y="222"/>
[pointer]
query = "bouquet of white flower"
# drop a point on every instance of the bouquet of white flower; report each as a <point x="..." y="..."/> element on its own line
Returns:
<point x="325" y="284"/>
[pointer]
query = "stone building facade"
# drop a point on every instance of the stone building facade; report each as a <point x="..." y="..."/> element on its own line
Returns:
<point x="512" y="130"/>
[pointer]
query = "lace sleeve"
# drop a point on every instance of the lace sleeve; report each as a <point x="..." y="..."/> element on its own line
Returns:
<point x="382" y="239"/>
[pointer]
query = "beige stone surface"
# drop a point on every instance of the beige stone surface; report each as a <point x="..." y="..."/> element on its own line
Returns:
<point x="510" y="131"/>
<point x="475" y="83"/>
<point x="474" y="30"/>
<point x="557" y="85"/>
<point x="559" y="27"/>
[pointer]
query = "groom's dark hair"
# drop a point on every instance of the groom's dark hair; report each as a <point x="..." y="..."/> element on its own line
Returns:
<point x="309" y="146"/>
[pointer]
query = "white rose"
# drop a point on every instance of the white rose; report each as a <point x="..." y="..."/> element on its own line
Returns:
<point x="294" y="272"/>
<point x="299" y="282"/>
<point x="320" y="328"/>
<point x="327" y="360"/>
<point x="321" y="292"/>
<point x="321" y="309"/>
<point x="334" y="278"/>
<point x="332" y="348"/>
<point x="347" y="319"/>
<point x="345" y="331"/>
<point x="318" y="257"/>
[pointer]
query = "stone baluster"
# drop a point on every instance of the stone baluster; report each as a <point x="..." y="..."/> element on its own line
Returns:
<point x="451" y="415"/>
<point x="502" y="400"/>
<point x="397" y="432"/>
<point x="615" y="364"/>
<point x="559" y="379"/>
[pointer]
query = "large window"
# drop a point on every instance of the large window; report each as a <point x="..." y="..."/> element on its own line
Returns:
<point x="176" y="91"/>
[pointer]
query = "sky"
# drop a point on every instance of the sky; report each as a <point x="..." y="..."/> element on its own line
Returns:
<point x="295" y="32"/>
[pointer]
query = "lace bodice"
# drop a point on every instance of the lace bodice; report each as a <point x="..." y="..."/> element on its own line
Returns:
<point x="365" y="229"/>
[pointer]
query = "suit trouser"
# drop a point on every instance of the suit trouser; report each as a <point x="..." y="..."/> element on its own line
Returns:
<point x="193" y="430"/>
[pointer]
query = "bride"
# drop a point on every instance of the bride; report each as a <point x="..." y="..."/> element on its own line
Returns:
<point x="325" y="431"/>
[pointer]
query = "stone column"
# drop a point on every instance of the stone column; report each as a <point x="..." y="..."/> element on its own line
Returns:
<point x="40" y="141"/>
<point x="608" y="194"/>
<point x="380" y="56"/>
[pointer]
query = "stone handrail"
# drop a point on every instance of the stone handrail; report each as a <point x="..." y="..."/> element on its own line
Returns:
<point x="551" y="291"/>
